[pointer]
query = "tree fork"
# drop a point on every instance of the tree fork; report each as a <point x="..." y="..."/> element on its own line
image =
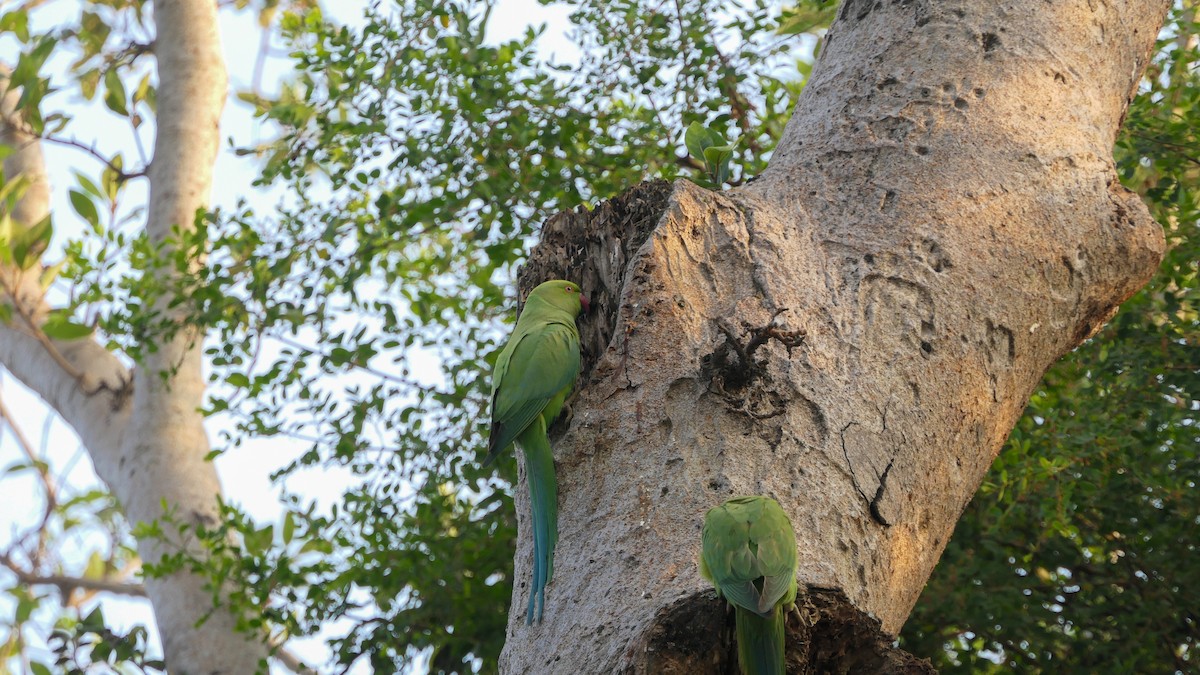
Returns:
<point x="942" y="221"/>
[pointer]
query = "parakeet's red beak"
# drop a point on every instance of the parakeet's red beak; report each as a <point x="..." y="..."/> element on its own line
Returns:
<point x="587" y="306"/>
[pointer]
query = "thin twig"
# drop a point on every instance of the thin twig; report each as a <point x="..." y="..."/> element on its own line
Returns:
<point x="27" y="448"/>
<point x="264" y="47"/>
<point x="1168" y="144"/>
<point x="43" y="473"/>
<point x="66" y="585"/>
<point x="122" y="174"/>
<point x="312" y="351"/>
<point x="38" y="334"/>
<point x="137" y="140"/>
<point x="290" y="660"/>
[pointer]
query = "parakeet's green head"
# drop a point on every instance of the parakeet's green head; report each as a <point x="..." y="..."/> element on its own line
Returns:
<point x="564" y="295"/>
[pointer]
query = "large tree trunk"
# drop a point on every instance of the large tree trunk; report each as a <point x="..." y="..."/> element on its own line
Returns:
<point x="142" y="428"/>
<point x="855" y="333"/>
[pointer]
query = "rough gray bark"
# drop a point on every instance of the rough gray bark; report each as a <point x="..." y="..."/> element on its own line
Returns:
<point x="855" y="333"/>
<point x="142" y="428"/>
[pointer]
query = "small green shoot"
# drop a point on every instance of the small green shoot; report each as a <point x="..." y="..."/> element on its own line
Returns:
<point x="710" y="147"/>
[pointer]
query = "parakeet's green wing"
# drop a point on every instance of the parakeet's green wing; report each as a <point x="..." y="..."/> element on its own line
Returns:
<point x="777" y="557"/>
<point x="543" y="362"/>
<point x="743" y="540"/>
<point x="749" y="554"/>
<point x="726" y="557"/>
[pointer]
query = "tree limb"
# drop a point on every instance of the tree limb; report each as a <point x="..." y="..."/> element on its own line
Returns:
<point x="67" y="584"/>
<point x="69" y="376"/>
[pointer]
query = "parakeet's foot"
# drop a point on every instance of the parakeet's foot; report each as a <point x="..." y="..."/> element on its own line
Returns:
<point x="794" y="610"/>
<point x="568" y="410"/>
<point x="571" y="398"/>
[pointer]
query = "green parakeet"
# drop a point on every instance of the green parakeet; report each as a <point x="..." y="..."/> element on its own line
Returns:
<point x="533" y="376"/>
<point x="749" y="555"/>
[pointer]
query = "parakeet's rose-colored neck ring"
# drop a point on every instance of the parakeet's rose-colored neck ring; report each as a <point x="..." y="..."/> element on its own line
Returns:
<point x="587" y="306"/>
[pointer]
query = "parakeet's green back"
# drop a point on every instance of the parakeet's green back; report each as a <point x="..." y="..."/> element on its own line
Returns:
<point x="537" y="368"/>
<point x="533" y="376"/>
<point x="749" y="555"/>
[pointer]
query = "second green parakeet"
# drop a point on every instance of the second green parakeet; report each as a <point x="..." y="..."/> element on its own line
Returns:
<point x="533" y="376"/>
<point x="749" y="555"/>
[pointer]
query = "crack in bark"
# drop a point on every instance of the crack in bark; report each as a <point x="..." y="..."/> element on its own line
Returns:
<point x="872" y="502"/>
<point x="758" y="273"/>
<point x="874" y="506"/>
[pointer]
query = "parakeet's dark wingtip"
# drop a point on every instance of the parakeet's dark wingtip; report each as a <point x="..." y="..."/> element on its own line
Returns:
<point x="492" y="451"/>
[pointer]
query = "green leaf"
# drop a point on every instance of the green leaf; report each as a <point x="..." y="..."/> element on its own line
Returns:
<point x="28" y="244"/>
<point x="25" y="74"/>
<point x="289" y="527"/>
<point x="807" y="17"/>
<point x="717" y="159"/>
<point x="709" y="147"/>
<point x="50" y="273"/>
<point x="101" y="651"/>
<point x="17" y="23"/>
<point x="698" y="137"/>
<point x="94" y="621"/>
<point x="59" y="326"/>
<point x="88" y="82"/>
<point x="17" y="467"/>
<point x="258" y="541"/>
<point x="88" y="185"/>
<point x="95" y="566"/>
<point x="111" y="179"/>
<point x="114" y="92"/>
<point x="12" y="189"/>
<point x="145" y="90"/>
<point x="84" y="206"/>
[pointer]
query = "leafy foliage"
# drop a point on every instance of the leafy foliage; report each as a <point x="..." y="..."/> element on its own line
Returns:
<point x="86" y="646"/>
<point x="1079" y="554"/>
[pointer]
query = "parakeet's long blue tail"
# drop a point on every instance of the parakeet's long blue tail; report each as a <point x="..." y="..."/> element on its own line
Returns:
<point x="760" y="642"/>
<point x="543" y="502"/>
